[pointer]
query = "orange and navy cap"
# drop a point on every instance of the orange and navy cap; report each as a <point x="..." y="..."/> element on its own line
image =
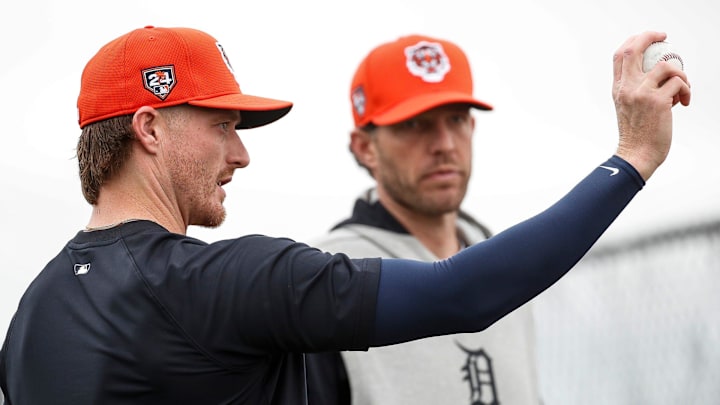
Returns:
<point x="163" y="67"/>
<point x="400" y="79"/>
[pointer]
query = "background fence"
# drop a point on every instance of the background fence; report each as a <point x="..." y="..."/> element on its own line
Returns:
<point x="636" y="322"/>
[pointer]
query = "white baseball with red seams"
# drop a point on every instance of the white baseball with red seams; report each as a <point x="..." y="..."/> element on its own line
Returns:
<point x="660" y="51"/>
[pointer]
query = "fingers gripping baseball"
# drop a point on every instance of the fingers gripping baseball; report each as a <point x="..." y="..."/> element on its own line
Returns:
<point x="644" y="100"/>
<point x="664" y="56"/>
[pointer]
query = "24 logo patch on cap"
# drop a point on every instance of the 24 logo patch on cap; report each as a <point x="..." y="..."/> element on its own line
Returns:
<point x="159" y="80"/>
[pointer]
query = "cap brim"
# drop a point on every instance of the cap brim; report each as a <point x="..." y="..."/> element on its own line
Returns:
<point x="424" y="102"/>
<point x="256" y="111"/>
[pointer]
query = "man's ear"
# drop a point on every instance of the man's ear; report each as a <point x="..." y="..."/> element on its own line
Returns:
<point x="146" y="125"/>
<point x="363" y="148"/>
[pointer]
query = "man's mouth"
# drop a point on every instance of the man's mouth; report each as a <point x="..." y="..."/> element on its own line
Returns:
<point x="224" y="181"/>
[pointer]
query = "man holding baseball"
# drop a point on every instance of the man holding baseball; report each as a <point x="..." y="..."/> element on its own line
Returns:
<point x="132" y="310"/>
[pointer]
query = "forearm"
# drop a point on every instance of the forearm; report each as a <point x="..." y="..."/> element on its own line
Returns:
<point x="481" y="284"/>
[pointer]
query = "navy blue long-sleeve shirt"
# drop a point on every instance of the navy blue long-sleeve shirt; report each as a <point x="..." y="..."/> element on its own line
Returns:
<point x="136" y="314"/>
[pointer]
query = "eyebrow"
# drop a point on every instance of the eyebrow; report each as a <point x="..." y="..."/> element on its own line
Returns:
<point x="231" y="115"/>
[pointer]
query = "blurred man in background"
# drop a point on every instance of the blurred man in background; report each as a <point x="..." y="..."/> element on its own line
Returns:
<point x="412" y="102"/>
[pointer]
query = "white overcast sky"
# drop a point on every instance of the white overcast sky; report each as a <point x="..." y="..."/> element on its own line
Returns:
<point x="545" y="65"/>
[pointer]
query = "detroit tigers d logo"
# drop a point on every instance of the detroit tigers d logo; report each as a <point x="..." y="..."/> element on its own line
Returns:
<point x="480" y="377"/>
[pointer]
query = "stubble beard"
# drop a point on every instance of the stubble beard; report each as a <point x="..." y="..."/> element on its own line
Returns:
<point x="197" y="188"/>
<point x="430" y="202"/>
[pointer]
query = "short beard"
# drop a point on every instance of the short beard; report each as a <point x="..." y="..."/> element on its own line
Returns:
<point x="410" y="198"/>
<point x="190" y="177"/>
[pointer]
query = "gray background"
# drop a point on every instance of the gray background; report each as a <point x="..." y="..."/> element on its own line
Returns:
<point x="545" y="66"/>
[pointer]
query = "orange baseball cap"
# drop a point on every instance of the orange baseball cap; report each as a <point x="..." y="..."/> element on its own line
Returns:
<point x="163" y="67"/>
<point x="408" y="76"/>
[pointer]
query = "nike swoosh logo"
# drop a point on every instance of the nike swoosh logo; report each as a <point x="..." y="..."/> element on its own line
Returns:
<point x="613" y="170"/>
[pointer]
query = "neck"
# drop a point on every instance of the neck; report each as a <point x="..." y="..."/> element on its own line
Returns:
<point x="112" y="225"/>
<point x="116" y="206"/>
<point x="141" y="190"/>
<point x="437" y="233"/>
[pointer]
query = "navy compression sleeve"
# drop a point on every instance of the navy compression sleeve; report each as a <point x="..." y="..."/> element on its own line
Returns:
<point x="483" y="283"/>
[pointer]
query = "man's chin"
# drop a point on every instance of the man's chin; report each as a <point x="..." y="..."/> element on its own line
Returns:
<point x="445" y="204"/>
<point x="212" y="220"/>
<point x="446" y="195"/>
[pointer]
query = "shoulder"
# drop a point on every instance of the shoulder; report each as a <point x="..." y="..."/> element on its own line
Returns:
<point x="361" y="241"/>
<point x="473" y="230"/>
<point x="354" y="240"/>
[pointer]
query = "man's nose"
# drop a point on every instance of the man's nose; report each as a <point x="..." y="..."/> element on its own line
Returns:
<point x="238" y="155"/>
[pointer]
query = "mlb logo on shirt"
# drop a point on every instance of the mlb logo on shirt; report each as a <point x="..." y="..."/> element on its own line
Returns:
<point x="81" y="269"/>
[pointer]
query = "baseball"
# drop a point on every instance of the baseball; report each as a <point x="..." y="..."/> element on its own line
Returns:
<point x="660" y="51"/>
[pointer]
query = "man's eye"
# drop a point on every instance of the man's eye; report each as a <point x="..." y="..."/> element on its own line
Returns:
<point x="224" y="126"/>
<point x="410" y="124"/>
<point x="461" y="118"/>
